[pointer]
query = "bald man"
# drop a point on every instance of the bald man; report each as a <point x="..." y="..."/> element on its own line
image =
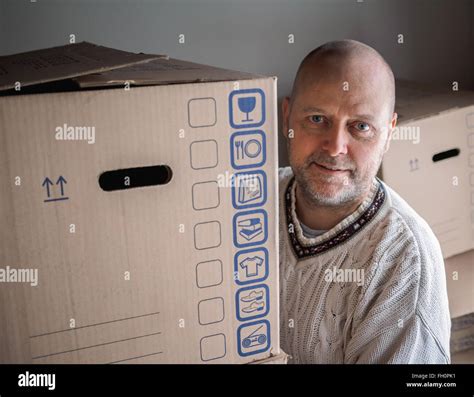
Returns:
<point x="362" y="274"/>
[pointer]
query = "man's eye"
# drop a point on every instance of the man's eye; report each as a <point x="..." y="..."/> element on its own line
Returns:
<point x="361" y="126"/>
<point x="317" y="119"/>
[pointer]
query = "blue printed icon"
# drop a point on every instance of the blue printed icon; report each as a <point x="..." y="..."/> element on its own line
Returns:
<point x="249" y="189"/>
<point x="253" y="338"/>
<point x="250" y="228"/>
<point x="247" y="108"/>
<point x="247" y="149"/>
<point x="50" y="190"/>
<point x="246" y="105"/>
<point x="251" y="265"/>
<point x="252" y="302"/>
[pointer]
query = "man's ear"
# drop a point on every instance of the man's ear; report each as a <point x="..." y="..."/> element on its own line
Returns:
<point x="285" y="113"/>
<point x="393" y="124"/>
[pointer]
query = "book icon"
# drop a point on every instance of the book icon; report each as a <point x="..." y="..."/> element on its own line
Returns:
<point x="250" y="228"/>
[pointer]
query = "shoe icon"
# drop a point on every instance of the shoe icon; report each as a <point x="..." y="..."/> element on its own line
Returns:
<point x="254" y="307"/>
<point x="252" y="296"/>
<point x="252" y="302"/>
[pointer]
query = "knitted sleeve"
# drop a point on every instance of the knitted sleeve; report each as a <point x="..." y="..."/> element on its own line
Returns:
<point x="403" y="315"/>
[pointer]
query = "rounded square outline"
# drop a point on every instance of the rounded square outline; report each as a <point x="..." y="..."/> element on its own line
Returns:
<point x="468" y="117"/>
<point x="223" y="310"/>
<point x="191" y="157"/>
<point x="218" y="196"/>
<point x="212" y="285"/>
<point x="264" y="149"/>
<point x="236" y="265"/>
<point x="215" y="113"/>
<point x="265" y="228"/>
<point x="208" y="336"/>
<point x="237" y="305"/>
<point x="246" y="91"/>
<point x="470" y="137"/>
<point x="220" y="235"/>
<point x="258" y="172"/>
<point x="245" y="325"/>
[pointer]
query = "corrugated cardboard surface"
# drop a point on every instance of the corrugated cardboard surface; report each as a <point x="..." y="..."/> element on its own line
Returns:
<point x="148" y="275"/>
<point x="419" y="100"/>
<point x="460" y="283"/>
<point x="161" y="71"/>
<point x="441" y="192"/>
<point x="63" y="62"/>
<point x="281" y="358"/>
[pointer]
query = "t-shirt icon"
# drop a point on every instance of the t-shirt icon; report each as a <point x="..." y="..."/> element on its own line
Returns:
<point x="251" y="265"/>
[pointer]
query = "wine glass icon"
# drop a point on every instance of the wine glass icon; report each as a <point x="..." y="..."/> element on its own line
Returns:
<point x="247" y="105"/>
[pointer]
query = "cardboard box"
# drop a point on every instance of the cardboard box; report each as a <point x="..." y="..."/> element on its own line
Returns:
<point x="279" y="359"/>
<point x="460" y="283"/>
<point x="430" y="162"/>
<point x="123" y="201"/>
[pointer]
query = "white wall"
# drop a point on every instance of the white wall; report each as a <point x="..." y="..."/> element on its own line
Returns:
<point x="253" y="35"/>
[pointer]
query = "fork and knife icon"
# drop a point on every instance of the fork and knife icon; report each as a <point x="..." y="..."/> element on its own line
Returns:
<point x="250" y="148"/>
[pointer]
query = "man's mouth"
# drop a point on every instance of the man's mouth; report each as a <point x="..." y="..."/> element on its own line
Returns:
<point x="329" y="169"/>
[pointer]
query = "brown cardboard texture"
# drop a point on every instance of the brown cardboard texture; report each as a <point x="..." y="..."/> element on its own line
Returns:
<point x="139" y="224"/>
<point x="430" y="162"/>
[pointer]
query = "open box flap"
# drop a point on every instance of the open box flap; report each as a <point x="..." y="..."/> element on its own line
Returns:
<point x="64" y="62"/>
<point x="416" y="100"/>
<point x="161" y="71"/>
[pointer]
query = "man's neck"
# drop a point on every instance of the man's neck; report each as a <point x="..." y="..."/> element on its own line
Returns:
<point x="322" y="217"/>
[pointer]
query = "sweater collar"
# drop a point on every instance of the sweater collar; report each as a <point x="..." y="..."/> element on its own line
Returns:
<point x="306" y="247"/>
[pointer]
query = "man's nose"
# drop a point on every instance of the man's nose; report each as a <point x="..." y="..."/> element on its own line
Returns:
<point x="335" y="140"/>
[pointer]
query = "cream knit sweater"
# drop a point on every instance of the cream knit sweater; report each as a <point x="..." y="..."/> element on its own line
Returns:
<point x="398" y="314"/>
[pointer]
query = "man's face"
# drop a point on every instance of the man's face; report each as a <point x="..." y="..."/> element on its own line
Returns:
<point x="339" y="136"/>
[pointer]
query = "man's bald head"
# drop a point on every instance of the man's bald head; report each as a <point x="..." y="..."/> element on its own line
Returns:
<point x="341" y="120"/>
<point x="346" y="59"/>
